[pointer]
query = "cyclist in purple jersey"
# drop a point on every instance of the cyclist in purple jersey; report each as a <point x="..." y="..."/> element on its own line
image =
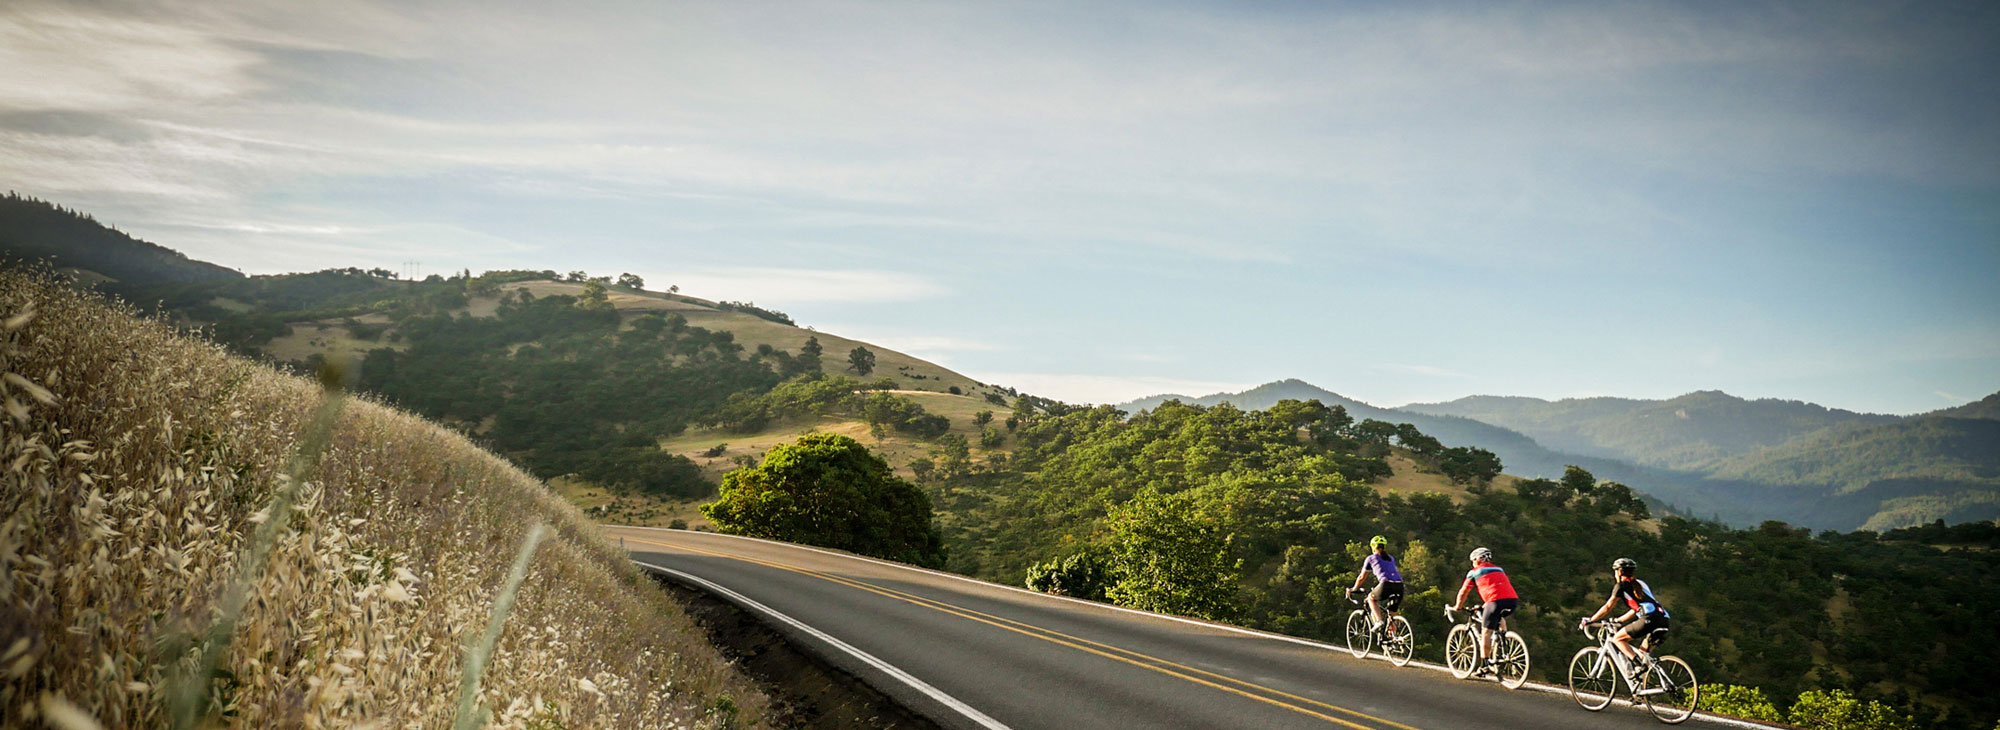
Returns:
<point x="1388" y="593"/>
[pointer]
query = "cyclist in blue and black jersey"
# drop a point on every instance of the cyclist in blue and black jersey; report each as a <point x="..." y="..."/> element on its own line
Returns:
<point x="1652" y="617"/>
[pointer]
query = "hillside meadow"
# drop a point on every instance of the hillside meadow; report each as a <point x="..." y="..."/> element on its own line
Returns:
<point x="136" y="461"/>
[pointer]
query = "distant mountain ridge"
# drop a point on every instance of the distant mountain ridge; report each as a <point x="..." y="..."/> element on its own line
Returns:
<point x="37" y="230"/>
<point x="1709" y="453"/>
<point x="1692" y="432"/>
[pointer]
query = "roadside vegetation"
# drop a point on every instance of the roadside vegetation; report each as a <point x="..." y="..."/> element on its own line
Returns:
<point x="137" y="464"/>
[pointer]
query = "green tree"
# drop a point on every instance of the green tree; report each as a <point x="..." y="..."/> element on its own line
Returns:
<point x="828" y="490"/>
<point x="982" y="418"/>
<point x="861" y="359"/>
<point x="809" y="354"/>
<point x="1469" y="465"/>
<point x="991" y="438"/>
<point x="1578" y="480"/>
<point x="1171" y="557"/>
<point x="594" y="297"/>
<point x="631" y="281"/>
<point x="953" y="455"/>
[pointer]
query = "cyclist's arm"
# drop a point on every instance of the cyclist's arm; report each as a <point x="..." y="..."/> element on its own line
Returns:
<point x="1459" y="602"/>
<point x="1359" y="579"/>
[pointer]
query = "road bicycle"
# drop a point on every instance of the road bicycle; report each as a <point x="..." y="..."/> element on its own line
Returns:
<point x="1361" y="637"/>
<point x="1509" y="662"/>
<point x="1664" y="684"/>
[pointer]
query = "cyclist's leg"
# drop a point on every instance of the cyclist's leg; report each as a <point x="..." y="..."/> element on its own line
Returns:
<point x="1623" y="639"/>
<point x="1392" y="599"/>
<point x="1652" y="629"/>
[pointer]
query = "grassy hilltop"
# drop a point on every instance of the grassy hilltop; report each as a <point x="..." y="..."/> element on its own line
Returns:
<point x="137" y="463"/>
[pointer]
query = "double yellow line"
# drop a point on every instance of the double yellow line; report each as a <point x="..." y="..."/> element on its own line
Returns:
<point x="1251" y="690"/>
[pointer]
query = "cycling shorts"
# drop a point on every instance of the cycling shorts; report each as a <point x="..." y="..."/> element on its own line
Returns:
<point x="1389" y="595"/>
<point x="1651" y="628"/>
<point x="1496" y="611"/>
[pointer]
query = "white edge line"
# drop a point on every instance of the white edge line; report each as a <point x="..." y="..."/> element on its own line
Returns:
<point x="1537" y="686"/>
<point x="919" y="685"/>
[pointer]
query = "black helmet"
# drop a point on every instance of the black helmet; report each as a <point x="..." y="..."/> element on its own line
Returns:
<point x="1624" y="565"/>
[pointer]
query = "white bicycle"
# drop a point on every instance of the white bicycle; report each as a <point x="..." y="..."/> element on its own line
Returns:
<point x="1461" y="652"/>
<point x="1664" y="684"/>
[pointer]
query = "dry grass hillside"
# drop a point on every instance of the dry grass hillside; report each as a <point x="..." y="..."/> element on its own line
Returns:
<point x="913" y="373"/>
<point x="138" y="461"/>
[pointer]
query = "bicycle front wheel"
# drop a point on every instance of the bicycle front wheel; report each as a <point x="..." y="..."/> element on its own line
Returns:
<point x="1510" y="659"/>
<point x="1592" y="678"/>
<point x="1358" y="634"/>
<point x="1461" y="651"/>
<point x="1671" y="690"/>
<point x="1398" y="647"/>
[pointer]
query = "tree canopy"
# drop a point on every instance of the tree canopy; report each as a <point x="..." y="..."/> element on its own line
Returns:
<point x="828" y="490"/>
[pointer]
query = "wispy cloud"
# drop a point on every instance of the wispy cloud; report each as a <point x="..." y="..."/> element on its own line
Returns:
<point x="784" y="286"/>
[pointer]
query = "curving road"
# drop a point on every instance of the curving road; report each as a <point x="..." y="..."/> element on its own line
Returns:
<point x="970" y="654"/>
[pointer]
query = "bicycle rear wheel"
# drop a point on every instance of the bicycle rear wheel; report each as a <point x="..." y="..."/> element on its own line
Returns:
<point x="1510" y="659"/>
<point x="1461" y="651"/>
<point x="1402" y="644"/>
<point x="1358" y="635"/>
<point x="1592" y="678"/>
<point x="1671" y="690"/>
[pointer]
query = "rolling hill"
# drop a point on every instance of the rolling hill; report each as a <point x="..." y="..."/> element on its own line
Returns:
<point x="1737" y="460"/>
<point x="1693" y="432"/>
<point x="36" y="230"/>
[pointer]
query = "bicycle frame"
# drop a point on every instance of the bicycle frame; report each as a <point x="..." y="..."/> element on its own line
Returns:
<point x="1604" y="630"/>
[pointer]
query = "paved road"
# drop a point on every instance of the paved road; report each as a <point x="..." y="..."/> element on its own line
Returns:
<point x="976" y="655"/>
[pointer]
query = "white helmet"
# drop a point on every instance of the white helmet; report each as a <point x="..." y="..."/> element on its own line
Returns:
<point x="1481" y="555"/>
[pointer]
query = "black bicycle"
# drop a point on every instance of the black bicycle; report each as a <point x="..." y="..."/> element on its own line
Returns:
<point x="1362" y="636"/>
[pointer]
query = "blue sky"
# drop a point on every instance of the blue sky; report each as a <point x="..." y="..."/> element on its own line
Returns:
<point x="1399" y="202"/>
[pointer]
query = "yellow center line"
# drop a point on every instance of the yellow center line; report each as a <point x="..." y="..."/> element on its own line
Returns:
<point x="1074" y="642"/>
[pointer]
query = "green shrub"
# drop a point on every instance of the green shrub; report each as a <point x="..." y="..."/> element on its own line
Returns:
<point x="1837" y="710"/>
<point x="1748" y="703"/>
<point x="1081" y="575"/>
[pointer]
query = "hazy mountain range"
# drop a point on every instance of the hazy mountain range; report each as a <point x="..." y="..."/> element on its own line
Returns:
<point x="1711" y="454"/>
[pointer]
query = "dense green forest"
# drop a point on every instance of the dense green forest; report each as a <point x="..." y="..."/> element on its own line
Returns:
<point x="1261" y="517"/>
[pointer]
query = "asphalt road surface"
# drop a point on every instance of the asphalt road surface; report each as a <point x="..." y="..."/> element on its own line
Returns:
<point x="970" y="654"/>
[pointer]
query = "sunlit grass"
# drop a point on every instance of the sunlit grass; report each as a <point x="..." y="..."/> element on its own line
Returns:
<point x="165" y="509"/>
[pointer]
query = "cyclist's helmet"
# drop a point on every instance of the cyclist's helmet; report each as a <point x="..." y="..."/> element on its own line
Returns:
<point x="1481" y="555"/>
<point x="1378" y="541"/>
<point x="1624" y="565"/>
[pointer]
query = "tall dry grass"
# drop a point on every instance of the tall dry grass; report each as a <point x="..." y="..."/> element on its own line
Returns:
<point x="134" y="465"/>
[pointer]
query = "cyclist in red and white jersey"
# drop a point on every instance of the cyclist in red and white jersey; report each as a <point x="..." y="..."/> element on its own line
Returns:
<point x="1497" y="593"/>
